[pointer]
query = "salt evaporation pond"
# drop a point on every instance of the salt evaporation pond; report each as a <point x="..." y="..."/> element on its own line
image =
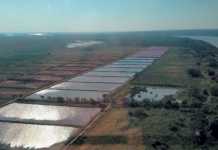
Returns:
<point x="155" y="93"/>
<point x="142" y="66"/>
<point x="59" y="115"/>
<point x="108" y="69"/>
<point x="110" y="74"/>
<point x="132" y="64"/>
<point x="120" y="71"/>
<point x="52" y="93"/>
<point x="105" y="87"/>
<point x="91" y="79"/>
<point x="34" y="136"/>
<point x="136" y="61"/>
<point x="29" y="135"/>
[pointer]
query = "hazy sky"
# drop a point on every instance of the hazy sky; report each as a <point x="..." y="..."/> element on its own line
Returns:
<point x="106" y="15"/>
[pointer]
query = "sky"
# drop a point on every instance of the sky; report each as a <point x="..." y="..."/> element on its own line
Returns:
<point x="106" y="15"/>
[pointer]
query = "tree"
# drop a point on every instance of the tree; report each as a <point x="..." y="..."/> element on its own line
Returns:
<point x="136" y="90"/>
<point x="211" y="72"/>
<point x="169" y="102"/>
<point x="199" y="127"/>
<point x="214" y="128"/>
<point x="60" y="99"/>
<point x="214" y="90"/>
<point x="213" y="63"/>
<point x="194" y="73"/>
<point x="197" y="93"/>
<point x="76" y="100"/>
<point x="139" y="113"/>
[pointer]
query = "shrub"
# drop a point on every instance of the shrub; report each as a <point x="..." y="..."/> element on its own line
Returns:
<point x="197" y="94"/>
<point x="214" y="128"/>
<point x="199" y="126"/>
<point x="194" y="73"/>
<point x="139" y="113"/>
<point x="60" y="99"/>
<point x="160" y="146"/>
<point x="214" y="90"/>
<point x="213" y="63"/>
<point x="174" y="128"/>
<point x="169" y="102"/>
<point x="199" y="137"/>
<point x="136" y="90"/>
<point x="211" y="72"/>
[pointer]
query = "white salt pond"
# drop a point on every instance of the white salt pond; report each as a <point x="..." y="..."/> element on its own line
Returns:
<point x="110" y="74"/>
<point x="92" y="79"/>
<point x="34" y="136"/>
<point x="60" y="115"/>
<point x="107" y="87"/>
<point x="108" y="69"/>
<point x="129" y="66"/>
<point x="103" y="80"/>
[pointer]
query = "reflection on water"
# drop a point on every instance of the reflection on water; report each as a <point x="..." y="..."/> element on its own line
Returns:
<point x="83" y="44"/>
<point x="155" y="93"/>
<point x="86" y="86"/>
<point x="34" y="136"/>
<point x="60" y="114"/>
<point x="210" y="39"/>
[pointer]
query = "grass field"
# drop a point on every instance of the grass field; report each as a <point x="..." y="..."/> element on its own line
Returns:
<point x="170" y="70"/>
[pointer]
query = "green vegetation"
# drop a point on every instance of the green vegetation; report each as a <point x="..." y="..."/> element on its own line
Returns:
<point x="106" y="139"/>
<point x="164" y="126"/>
<point x="170" y="70"/>
<point x="188" y="121"/>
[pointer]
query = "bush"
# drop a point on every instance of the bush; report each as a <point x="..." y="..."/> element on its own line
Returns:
<point x="169" y="102"/>
<point x="136" y="90"/>
<point x="199" y="125"/>
<point x="138" y="113"/>
<point x="211" y="72"/>
<point x="194" y="73"/>
<point x="196" y="103"/>
<point x="200" y="137"/>
<point x="214" y="128"/>
<point x="60" y="99"/>
<point x="197" y="94"/>
<point x="174" y="128"/>
<point x="214" y="90"/>
<point x="160" y="146"/>
<point x="213" y="63"/>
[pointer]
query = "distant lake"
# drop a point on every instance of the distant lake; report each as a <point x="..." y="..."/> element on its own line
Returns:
<point x="210" y="39"/>
<point x="83" y="44"/>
